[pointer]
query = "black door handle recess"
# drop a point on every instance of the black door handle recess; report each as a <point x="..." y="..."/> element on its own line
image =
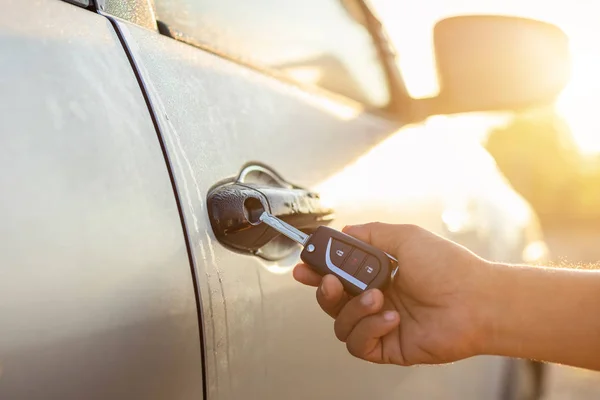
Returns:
<point x="235" y="206"/>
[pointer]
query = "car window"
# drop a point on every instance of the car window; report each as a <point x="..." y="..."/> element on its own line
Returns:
<point x="316" y="42"/>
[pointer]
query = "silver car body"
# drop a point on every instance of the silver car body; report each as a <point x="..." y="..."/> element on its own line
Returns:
<point x="112" y="284"/>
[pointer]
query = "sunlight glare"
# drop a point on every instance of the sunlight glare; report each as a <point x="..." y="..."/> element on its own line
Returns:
<point x="410" y="28"/>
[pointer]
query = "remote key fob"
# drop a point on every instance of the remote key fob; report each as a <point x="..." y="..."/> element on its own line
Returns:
<point x="358" y="265"/>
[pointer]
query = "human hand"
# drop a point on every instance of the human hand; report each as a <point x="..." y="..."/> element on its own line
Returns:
<point x="434" y="311"/>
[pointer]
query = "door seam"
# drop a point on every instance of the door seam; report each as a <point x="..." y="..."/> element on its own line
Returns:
<point x="171" y="174"/>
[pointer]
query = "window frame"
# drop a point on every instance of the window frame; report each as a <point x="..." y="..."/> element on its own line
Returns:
<point x="398" y="108"/>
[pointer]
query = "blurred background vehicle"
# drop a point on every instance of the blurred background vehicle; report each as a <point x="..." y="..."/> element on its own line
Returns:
<point x="116" y="282"/>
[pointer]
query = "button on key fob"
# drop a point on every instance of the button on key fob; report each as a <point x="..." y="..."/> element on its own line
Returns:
<point x="358" y="265"/>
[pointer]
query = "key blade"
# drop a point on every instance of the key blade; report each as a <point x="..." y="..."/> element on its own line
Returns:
<point x="284" y="228"/>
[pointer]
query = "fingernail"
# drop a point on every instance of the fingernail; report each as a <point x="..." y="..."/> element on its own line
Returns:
<point x="324" y="291"/>
<point x="389" y="316"/>
<point x="367" y="299"/>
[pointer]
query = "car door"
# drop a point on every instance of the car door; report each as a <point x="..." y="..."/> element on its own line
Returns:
<point x="229" y="90"/>
<point x="96" y="295"/>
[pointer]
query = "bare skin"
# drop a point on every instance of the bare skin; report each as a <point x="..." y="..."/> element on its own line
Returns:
<point x="448" y="304"/>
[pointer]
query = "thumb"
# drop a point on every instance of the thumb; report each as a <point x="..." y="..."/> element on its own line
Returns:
<point x="387" y="237"/>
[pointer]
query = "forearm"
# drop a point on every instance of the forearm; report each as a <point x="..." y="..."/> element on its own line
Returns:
<point x="544" y="314"/>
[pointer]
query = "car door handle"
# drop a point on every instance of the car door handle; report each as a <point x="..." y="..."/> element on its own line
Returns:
<point x="234" y="208"/>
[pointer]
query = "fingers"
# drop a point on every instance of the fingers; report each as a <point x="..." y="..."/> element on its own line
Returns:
<point x="386" y="237"/>
<point x="368" y="303"/>
<point x="369" y="339"/>
<point x="331" y="295"/>
<point x="304" y="274"/>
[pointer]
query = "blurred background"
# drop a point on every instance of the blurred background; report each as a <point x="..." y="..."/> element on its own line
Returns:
<point x="551" y="156"/>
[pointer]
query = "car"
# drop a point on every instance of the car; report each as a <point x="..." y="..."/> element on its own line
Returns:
<point x="139" y="140"/>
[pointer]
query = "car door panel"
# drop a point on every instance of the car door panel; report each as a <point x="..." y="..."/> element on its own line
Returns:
<point x="210" y="136"/>
<point x="96" y="295"/>
<point x="264" y="335"/>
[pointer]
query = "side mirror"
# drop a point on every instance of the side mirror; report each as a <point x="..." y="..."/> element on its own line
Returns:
<point x="497" y="63"/>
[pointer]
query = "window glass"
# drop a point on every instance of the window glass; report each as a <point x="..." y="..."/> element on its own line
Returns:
<point x="317" y="42"/>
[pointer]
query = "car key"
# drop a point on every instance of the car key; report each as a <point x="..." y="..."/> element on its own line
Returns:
<point x="358" y="265"/>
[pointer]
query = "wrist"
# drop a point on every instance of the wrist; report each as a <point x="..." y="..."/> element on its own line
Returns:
<point x="491" y="306"/>
<point x="509" y="309"/>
